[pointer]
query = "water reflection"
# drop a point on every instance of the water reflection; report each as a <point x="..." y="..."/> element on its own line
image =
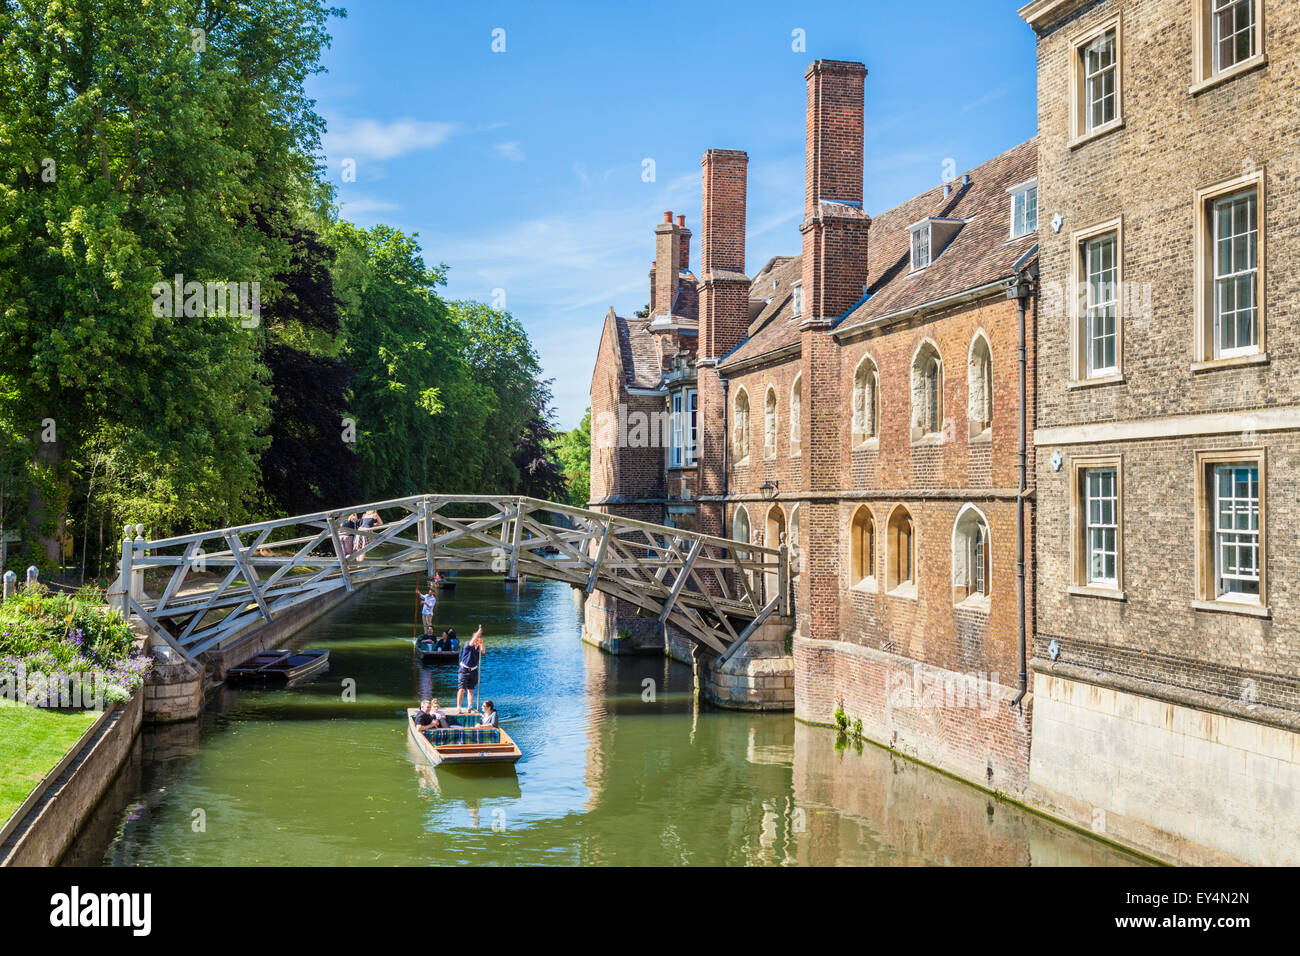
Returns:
<point x="620" y="766"/>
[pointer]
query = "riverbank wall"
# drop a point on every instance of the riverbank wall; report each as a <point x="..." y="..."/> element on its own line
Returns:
<point x="44" y="827"/>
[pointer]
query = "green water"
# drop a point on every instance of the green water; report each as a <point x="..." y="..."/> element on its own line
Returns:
<point x="620" y="766"/>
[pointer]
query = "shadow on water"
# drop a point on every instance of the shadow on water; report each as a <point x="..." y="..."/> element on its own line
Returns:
<point x="620" y="766"/>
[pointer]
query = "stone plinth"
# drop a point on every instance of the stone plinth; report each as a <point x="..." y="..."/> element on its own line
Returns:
<point x="174" y="690"/>
<point x="759" y="676"/>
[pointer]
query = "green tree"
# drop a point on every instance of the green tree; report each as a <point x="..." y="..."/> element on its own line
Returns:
<point x="139" y="142"/>
<point x="572" y="452"/>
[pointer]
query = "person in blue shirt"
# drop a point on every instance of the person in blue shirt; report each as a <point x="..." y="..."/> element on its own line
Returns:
<point x="467" y="675"/>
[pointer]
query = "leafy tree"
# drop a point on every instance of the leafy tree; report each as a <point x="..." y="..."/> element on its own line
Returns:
<point x="572" y="452"/>
<point x="139" y="142"/>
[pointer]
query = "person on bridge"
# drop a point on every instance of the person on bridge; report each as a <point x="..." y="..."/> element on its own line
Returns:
<point x="428" y="601"/>
<point x="349" y="536"/>
<point x="467" y="677"/>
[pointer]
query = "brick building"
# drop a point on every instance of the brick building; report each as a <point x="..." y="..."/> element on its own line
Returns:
<point x="863" y="401"/>
<point x="1167" y="651"/>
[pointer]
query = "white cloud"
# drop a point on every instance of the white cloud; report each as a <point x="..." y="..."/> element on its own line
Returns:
<point x="361" y="138"/>
<point x="354" y="206"/>
<point x="511" y="150"/>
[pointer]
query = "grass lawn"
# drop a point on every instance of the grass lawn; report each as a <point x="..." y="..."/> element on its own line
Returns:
<point x="32" y="741"/>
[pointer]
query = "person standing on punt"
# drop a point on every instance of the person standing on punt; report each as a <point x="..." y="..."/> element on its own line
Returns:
<point x="467" y="677"/>
<point x="428" y="601"/>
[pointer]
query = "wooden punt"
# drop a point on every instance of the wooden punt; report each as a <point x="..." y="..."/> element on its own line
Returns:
<point x="501" y="750"/>
<point x="279" y="667"/>
<point x="424" y="649"/>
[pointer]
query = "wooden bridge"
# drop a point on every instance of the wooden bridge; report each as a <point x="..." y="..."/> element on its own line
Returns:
<point x="197" y="591"/>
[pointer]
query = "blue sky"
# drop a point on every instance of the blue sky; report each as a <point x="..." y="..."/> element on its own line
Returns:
<point x="522" y="170"/>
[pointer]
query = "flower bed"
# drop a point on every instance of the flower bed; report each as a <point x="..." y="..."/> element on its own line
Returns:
<point x="51" y="641"/>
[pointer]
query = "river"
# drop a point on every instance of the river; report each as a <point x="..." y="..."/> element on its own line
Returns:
<point x="620" y="767"/>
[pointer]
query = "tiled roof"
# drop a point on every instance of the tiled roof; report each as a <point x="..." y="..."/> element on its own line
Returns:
<point x="979" y="254"/>
<point x="638" y="351"/>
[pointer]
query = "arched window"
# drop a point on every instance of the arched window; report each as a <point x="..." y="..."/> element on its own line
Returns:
<point x="971" y="555"/>
<point x="979" y="382"/>
<point x="740" y="427"/>
<point x="865" y="393"/>
<point x="740" y="526"/>
<point x="769" y="423"/>
<point x="774" y="539"/>
<point x="902" y="551"/>
<point x="864" y="547"/>
<point x="927" y="392"/>
<point x="796" y="416"/>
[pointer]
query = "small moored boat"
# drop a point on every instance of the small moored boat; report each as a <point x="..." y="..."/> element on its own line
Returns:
<point x="444" y="584"/>
<point x="425" y="651"/>
<point x="464" y="743"/>
<point x="279" y="667"/>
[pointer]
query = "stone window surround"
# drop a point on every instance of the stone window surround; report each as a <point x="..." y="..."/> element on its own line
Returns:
<point x="896" y="586"/>
<point x="740" y="428"/>
<point x="862" y="561"/>
<point x="1079" y="585"/>
<point x="979" y="394"/>
<point x="970" y="518"/>
<point x="922" y="393"/>
<point x="796" y="416"/>
<point x="867" y="376"/>
<point x="1078" y="317"/>
<point x="1206" y="599"/>
<point x="1203" y="310"/>
<point x="1204" y="76"/>
<point x="771" y="422"/>
<point x="1079" y="132"/>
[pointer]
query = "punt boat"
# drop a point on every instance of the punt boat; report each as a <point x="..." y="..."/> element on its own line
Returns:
<point x="463" y="744"/>
<point x="279" y="667"/>
<point x="427" y="655"/>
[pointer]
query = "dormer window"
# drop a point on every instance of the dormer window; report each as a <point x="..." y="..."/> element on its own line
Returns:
<point x="930" y="237"/>
<point x="1024" y="209"/>
<point x="796" y="301"/>
<point x="920" y="246"/>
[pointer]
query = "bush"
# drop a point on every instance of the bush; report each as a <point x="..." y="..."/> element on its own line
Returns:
<point x="60" y="633"/>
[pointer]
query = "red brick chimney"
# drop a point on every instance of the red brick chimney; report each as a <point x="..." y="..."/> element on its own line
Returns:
<point x="724" y="300"/>
<point x="668" y="252"/>
<point x="684" y="259"/>
<point x="724" y="314"/>
<point x="835" y="226"/>
<point x="835" y="231"/>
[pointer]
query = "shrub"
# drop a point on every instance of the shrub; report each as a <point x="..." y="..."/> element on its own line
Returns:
<point x="60" y="633"/>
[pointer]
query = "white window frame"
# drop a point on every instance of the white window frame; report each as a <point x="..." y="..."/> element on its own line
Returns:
<point x="1235" y="538"/>
<point x="1093" y="81"/>
<point x="1250" y="270"/>
<point x="1082" y="128"/>
<point x="1019" y="206"/>
<point x="918" y="247"/>
<point x="1217" y="9"/>
<point x="1083" y="373"/>
<point x="1096" y="529"/>
<point x="796" y="297"/>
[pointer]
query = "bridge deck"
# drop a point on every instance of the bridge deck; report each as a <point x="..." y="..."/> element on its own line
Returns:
<point x="199" y="590"/>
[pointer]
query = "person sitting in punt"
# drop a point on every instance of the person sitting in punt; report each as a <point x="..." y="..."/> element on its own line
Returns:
<point x="453" y="642"/>
<point x="490" y="717"/>
<point x="441" y="643"/>
<point x="424" y="716"/>
<point x="439" y="715"/>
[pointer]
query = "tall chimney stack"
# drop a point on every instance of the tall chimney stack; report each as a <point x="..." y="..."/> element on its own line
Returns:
<point x="835" y="231"/>
<point x="724" y="304"/>
<point x="668" y="251"/>
<point x="684" y="259"/>
<point x="724" y="315"/>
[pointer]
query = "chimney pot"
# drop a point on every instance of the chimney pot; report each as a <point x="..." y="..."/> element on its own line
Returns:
<point x="681" y="220"/>
<point x="668" y="217"/>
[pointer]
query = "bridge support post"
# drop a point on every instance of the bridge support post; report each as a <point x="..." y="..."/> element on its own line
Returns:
<point x="757" y="675"/>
